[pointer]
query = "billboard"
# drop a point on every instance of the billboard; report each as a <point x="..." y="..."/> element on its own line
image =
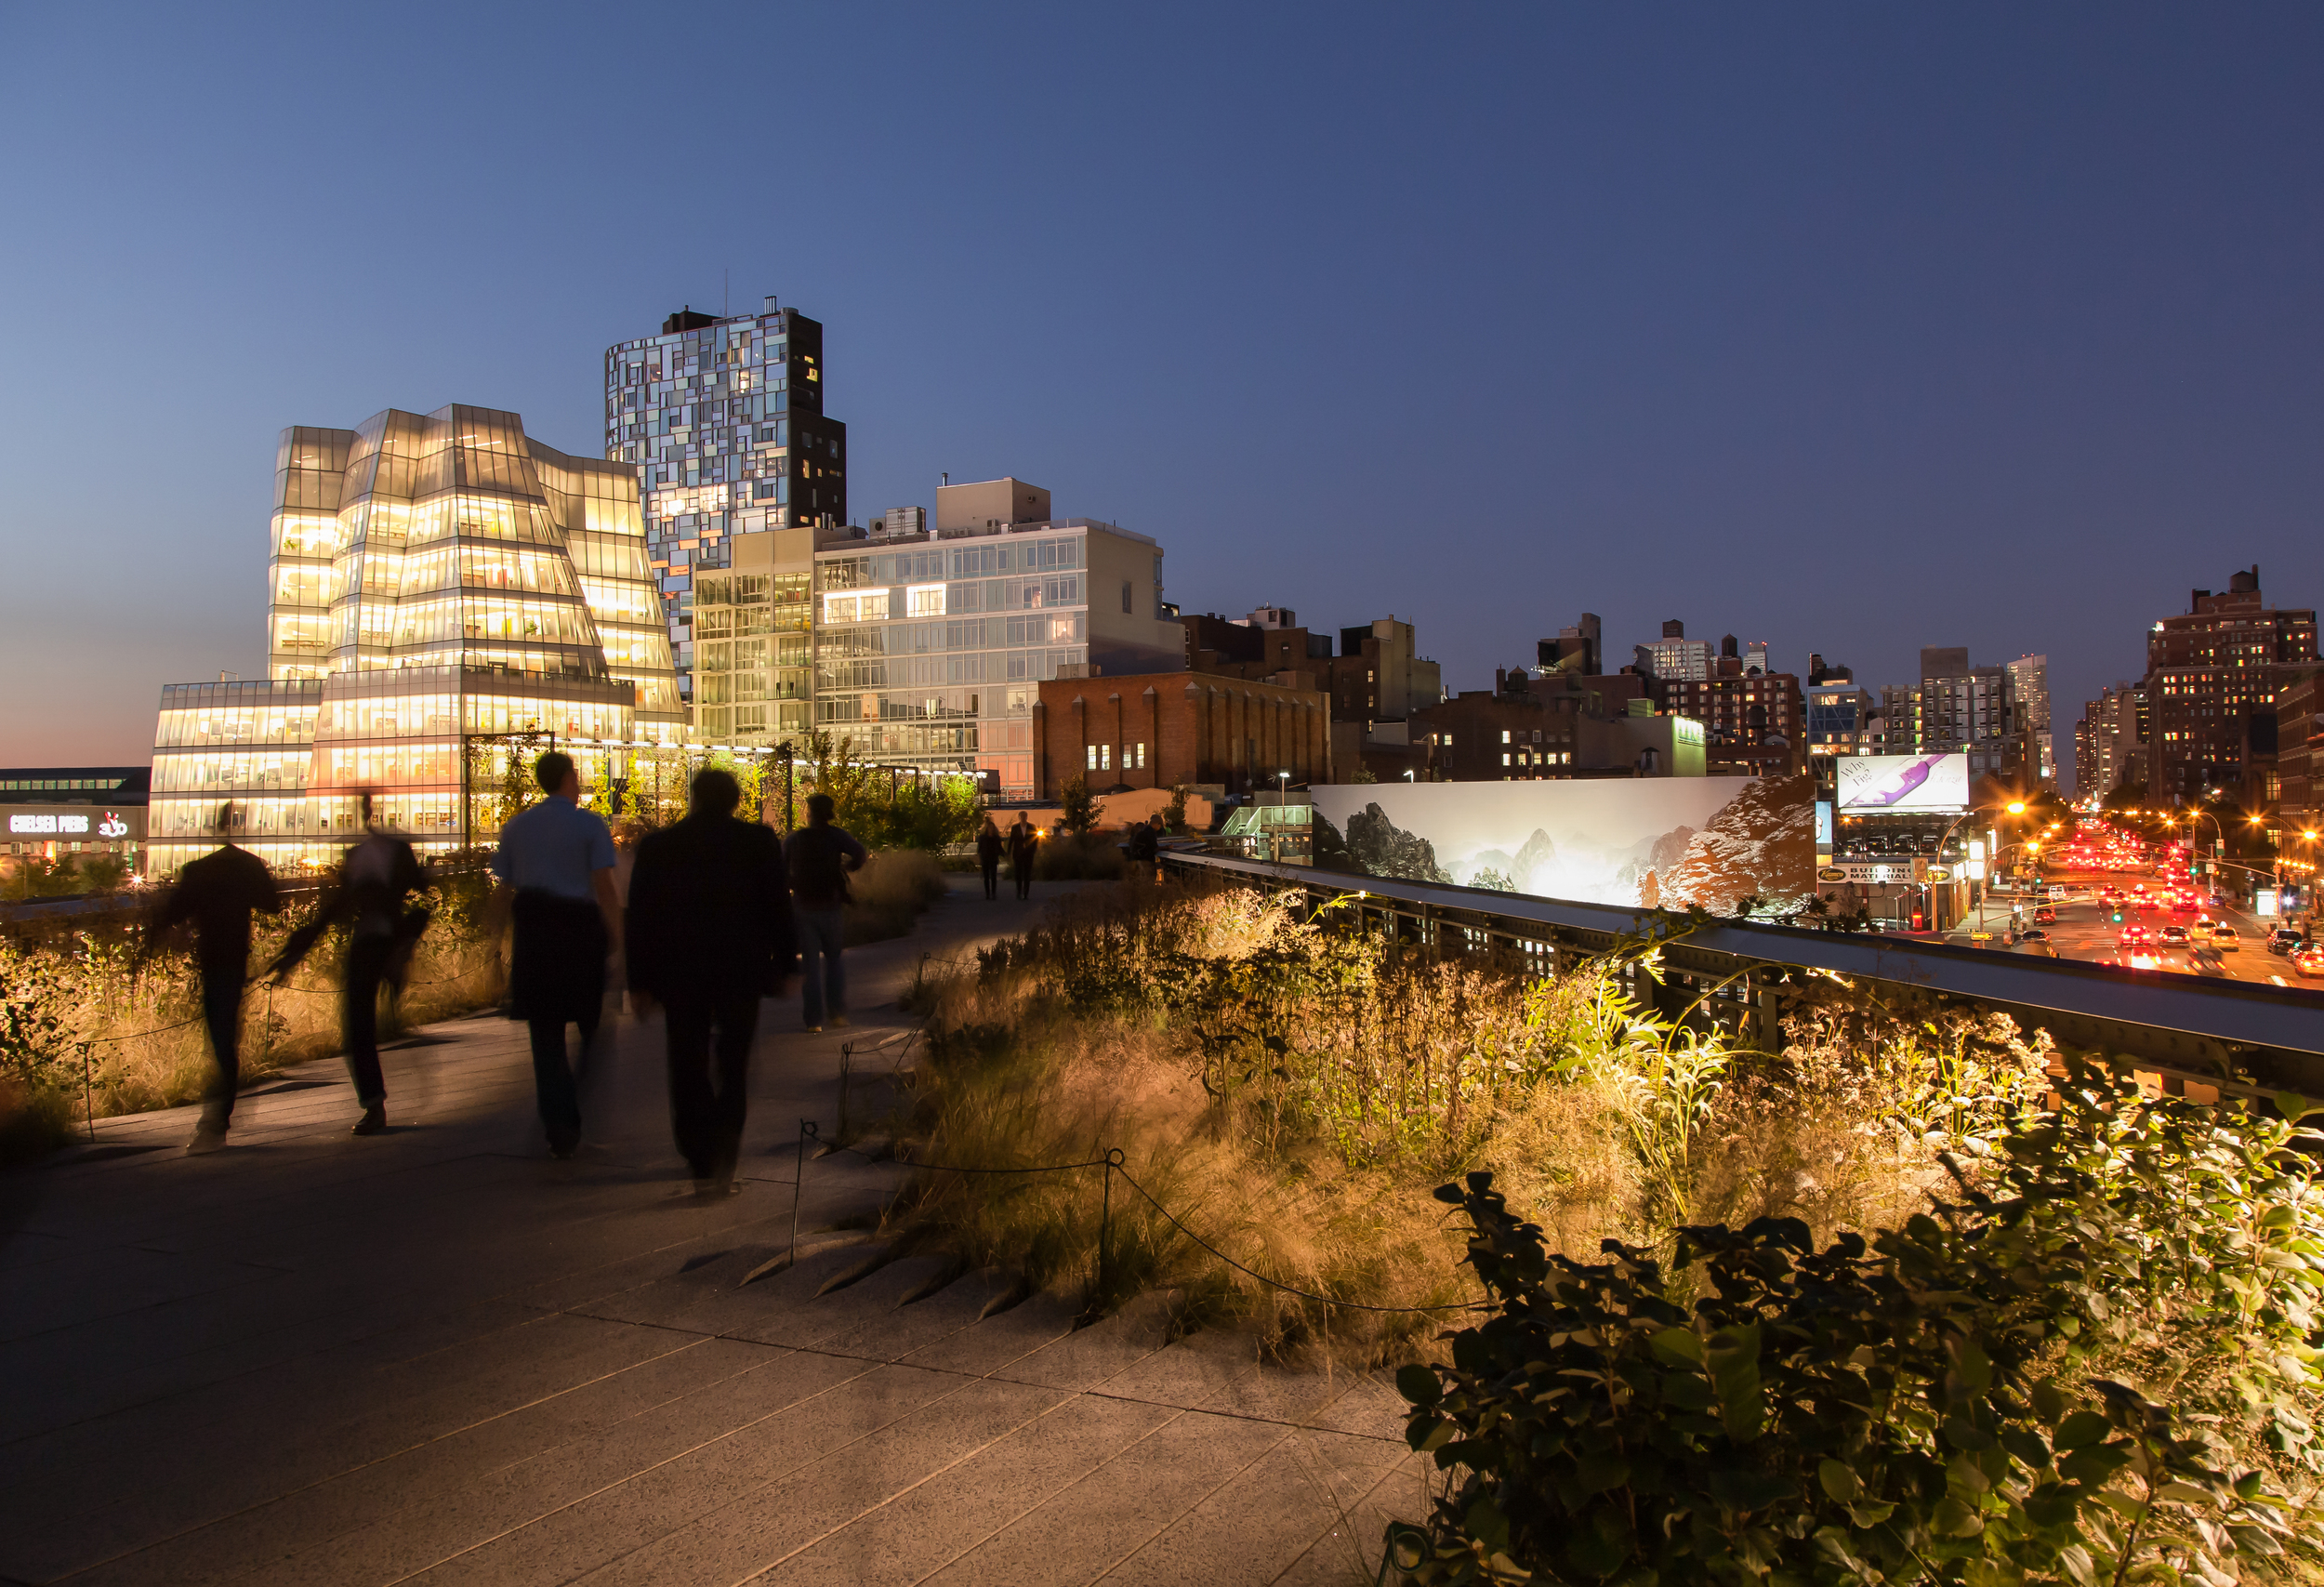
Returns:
<point x="1659" y="842"/>
<point x="1880" y="785"/>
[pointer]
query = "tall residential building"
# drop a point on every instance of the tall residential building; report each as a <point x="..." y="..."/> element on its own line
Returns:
<point x="928" y="647"/>
<point x="722" y="421"/>
<point x="440" y="584"/>
<point x="2209" y="671"/>
<point x="2117" y="738"/>
<point x="1968" y="709"/>
<point x="2086" y="751"/>
<point x="2028" y="678"/>
<point x="1674" y="657"/>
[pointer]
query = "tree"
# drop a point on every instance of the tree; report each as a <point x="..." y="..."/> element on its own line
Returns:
<point x="1174" y="817"/>
<point x="1079" y="811"/>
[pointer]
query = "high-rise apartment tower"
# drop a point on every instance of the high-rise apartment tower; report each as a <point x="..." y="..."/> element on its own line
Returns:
<point x="722" y="418"/>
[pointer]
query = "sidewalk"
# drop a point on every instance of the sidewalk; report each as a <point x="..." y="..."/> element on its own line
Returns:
<point x="441" y="1355"/>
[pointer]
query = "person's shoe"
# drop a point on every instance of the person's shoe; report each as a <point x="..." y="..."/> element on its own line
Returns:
<point x="837" y="1022"/>
<point x="373" y="1122"/>
<point x="206" y="1141"/>
<point x="562" y="1150"/>
<point x="812" y="1029"/>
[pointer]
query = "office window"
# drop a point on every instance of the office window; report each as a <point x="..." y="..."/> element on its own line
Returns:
<point x="1125" y="596"/>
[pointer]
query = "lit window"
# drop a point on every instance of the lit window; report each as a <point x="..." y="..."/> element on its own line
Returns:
<point x="1093" y="756"/>
<point x="1504" y="740"/>
<point x="1106" y="757"/>
<point x="1504" y="760"/>
<point x="1142" y="756"/>
<point x="924" y="600"/>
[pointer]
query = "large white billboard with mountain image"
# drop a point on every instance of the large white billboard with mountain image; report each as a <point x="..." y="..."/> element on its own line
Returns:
<point x="1652" y="842"/>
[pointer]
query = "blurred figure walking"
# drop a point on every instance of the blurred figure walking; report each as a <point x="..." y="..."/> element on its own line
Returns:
<point x="821" y="856"/>
<point x="708" y="934"/>
<point x="1023" y="843"/>
<point x="988" y="848"/>
<point x="218" y="892"/>
<point x="555" y="864"/>
<point x="1145" y="846"/>
<point x="368" y="894"/>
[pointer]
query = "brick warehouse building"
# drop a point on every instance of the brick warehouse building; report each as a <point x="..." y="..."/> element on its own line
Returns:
<point x="1156" y="729"/>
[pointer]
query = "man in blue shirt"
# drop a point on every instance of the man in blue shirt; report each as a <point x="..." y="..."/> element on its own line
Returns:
<point x="556" y="862"/>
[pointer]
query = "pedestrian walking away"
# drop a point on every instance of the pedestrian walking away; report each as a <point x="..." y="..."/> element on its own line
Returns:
<point x="555" y="865"/>
<point x="219" y="894"/>
<point x="820" y="857"/>
<point x="1145" y="846"/>
<point x="988" y="848"/>
<point x="1023" y="843"/>
<point x="707" y="933"/>
<point x="367" y="895"/>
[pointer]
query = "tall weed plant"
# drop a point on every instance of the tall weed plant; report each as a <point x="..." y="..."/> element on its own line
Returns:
<point x="89" y="1030"/>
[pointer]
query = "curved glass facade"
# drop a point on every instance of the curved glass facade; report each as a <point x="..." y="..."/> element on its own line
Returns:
<point x="444" y="593"/>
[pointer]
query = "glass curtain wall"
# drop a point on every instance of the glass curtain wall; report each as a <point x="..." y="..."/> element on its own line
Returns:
<point x="754" y="677"/>
<point x="928" y="654"/>
<point x="431" y="625"/>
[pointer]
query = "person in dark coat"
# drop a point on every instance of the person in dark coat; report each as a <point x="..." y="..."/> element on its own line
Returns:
<point x="218" y="892"/>
<point x="708" y="934"/>
<point x="988" y="848"/>
<point x="367" y="894"/>
<point x="1024" y="841"/>
<point x="1145" y="845"/>
<point x="555" y="863"/>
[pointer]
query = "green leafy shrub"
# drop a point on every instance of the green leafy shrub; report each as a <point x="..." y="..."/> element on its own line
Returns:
<point x="1919" y="1408"/>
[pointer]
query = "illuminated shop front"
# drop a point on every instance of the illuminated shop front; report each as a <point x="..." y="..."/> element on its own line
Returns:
<point x="447" y="594"/>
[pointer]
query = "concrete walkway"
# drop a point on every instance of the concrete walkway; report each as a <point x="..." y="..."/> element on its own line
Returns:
<point x="441" y="1355"/>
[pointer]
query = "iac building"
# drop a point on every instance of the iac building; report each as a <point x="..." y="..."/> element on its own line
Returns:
<point x="442" y="588"/>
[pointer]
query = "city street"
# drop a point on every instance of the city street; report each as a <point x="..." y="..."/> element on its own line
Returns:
<point x="2085" y="931"/>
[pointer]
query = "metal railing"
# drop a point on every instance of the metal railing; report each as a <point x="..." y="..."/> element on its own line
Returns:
<point x="2185" y="1027"/>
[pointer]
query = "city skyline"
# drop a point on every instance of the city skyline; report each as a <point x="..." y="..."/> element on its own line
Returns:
<point x="1766" y="300"/>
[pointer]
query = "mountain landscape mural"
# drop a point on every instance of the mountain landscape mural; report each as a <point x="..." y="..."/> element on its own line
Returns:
<point x="1716" y="843"/>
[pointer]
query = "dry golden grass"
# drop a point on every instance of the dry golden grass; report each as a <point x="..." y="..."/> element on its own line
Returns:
<point x="1293" y="1094"/>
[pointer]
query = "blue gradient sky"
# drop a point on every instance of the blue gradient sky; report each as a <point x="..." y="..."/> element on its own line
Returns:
<point x="1853" y="329"/>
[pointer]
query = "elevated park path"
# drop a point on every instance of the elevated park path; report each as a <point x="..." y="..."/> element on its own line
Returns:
<point x="438" y="1356"/>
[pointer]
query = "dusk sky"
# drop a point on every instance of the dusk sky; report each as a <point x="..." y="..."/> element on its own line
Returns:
<point x="1851" y="329"/>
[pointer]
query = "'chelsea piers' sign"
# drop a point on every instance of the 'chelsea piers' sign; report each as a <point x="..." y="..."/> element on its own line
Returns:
<point x="47" y="826"/>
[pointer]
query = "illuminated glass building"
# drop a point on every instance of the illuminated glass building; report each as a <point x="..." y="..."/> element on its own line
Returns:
<point x="445" y="592"/>
<point x="722" y="419"/>
<point x="928" y="647"/>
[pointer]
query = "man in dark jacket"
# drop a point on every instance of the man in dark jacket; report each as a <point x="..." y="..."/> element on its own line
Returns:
<point x="218" y="892"/>
<point x="368" y="894"/>
<point x="1023" y="840"/>
<point x="708" y="934"/>
<point x="820" y="854"/>
<point x="1145" y="847"/>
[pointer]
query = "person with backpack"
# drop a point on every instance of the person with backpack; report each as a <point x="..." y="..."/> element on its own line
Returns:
<point x="218" y="892"/>
<point x="820" y="855"/>
<point x="368" y="894"/>
<point x="1024" y="841"/>
<point x="707" y="934"/>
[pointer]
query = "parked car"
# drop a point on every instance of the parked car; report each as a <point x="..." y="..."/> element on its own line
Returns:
<point x="2282" y="940"/>
<point x="2033" y="935"/>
